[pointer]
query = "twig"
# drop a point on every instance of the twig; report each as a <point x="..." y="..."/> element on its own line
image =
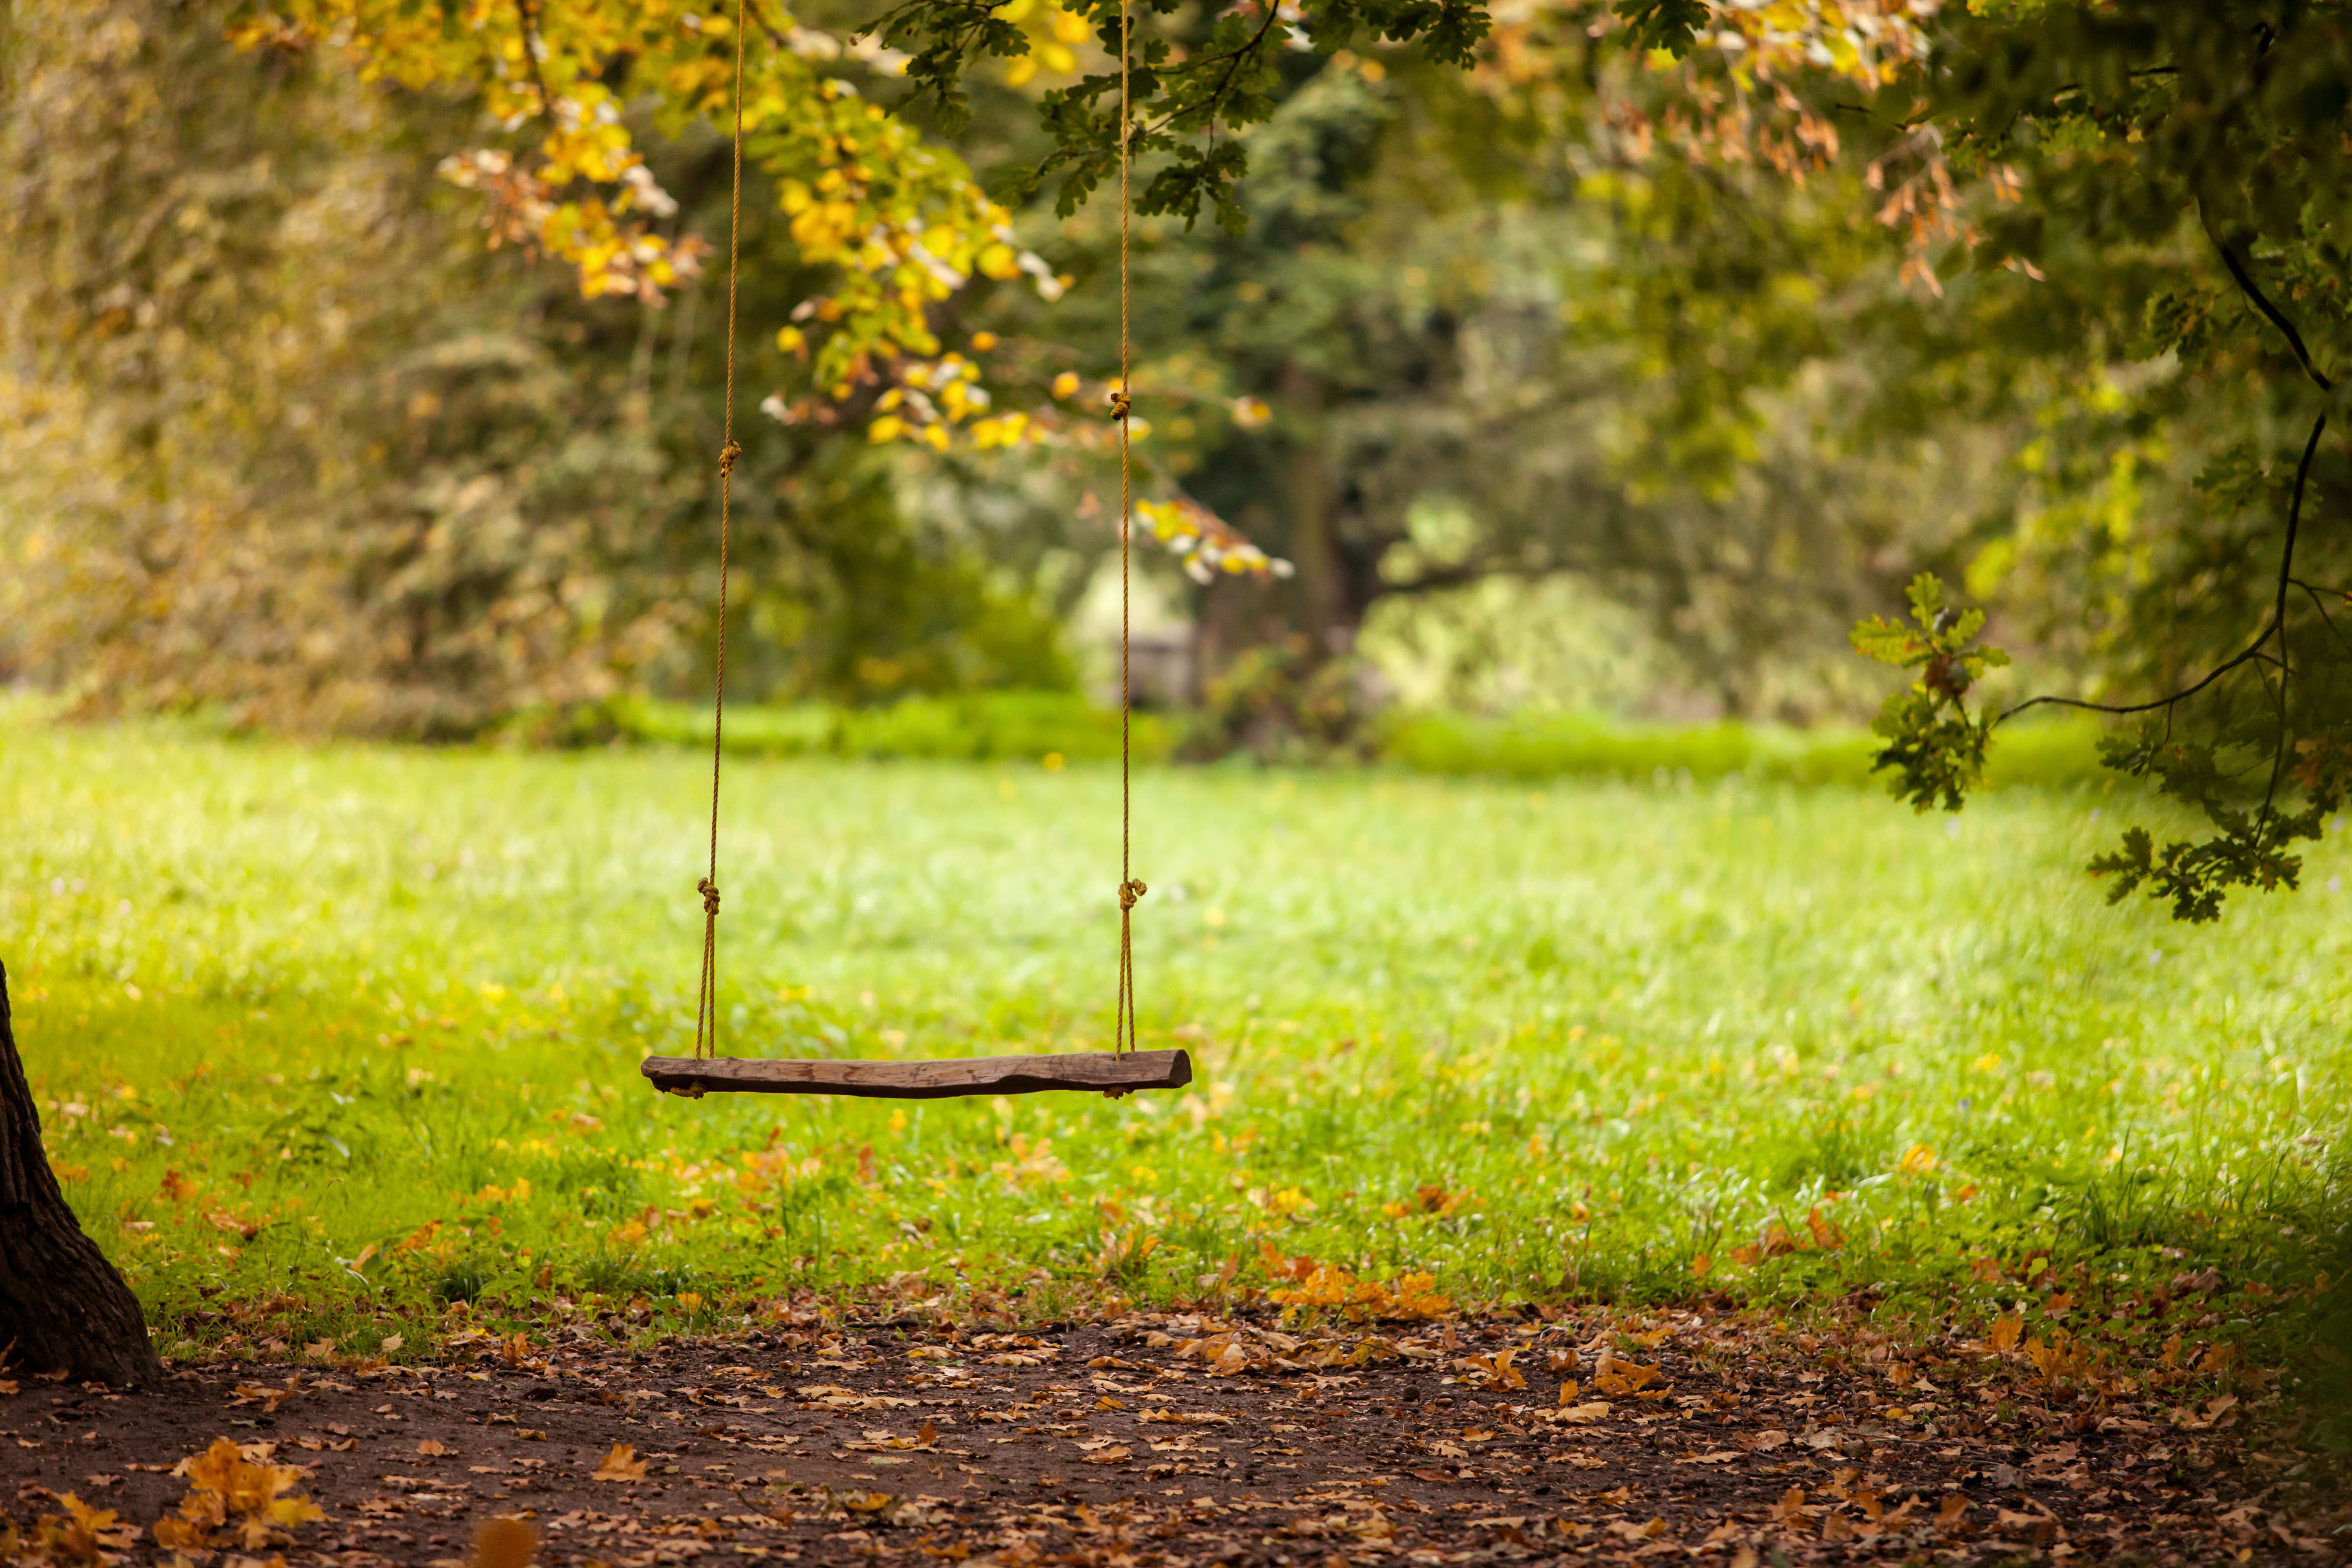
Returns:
<point x="2320" y="604"/>
<point x="527" y="13"/>
<point x="2262" y="303"/>
<point x="2277" y="626"/>
<point x="2253" y="650"/>
<point x="1236" y="57"/>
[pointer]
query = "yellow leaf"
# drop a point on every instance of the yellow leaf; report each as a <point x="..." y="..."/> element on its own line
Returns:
<point x="889" y="427"/>
<point x="505" y="1544"/>
<point x="1066" y="385"/>
<point x="2006" y="1332"/>
<point x="621" y="1465"/>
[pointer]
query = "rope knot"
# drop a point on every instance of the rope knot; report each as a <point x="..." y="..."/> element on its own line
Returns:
<point x="710" y="892"/>
<point x="727" y="456"/>
<point x="1129" y="891"/>
<point x="1119" y="403"/>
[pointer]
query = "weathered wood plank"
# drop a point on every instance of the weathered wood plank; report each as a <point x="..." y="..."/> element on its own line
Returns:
<point x="1092" y="1071"/>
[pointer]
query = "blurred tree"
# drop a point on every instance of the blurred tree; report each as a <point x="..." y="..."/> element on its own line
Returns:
<point x="287" y="441"/>
<point x="1485" y="328"/>
<point x="2175" y="177"/>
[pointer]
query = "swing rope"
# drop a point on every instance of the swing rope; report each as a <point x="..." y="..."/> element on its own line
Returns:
<point x="706" y="1005"/>
<point x="1130" y="889"/>
<point x="706" y="1000"/>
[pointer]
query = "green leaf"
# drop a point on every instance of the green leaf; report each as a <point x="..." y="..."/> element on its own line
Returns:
<point x="1670" y="24"/>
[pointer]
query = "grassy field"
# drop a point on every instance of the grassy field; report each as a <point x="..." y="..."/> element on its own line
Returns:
<point x="329" y="1040"/>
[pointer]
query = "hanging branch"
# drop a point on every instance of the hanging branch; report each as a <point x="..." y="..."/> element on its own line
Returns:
<point x="1936" y="756"/>
<point x="1223" y="78"/>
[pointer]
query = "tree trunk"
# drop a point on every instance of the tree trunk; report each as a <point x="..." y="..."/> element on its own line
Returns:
<point x="62" y="1306"/>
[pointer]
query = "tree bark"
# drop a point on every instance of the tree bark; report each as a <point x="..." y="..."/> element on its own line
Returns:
<point x="62" y="1306"/>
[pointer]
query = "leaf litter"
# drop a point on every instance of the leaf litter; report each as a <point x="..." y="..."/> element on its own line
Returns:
<point x="1181" y="1437"/>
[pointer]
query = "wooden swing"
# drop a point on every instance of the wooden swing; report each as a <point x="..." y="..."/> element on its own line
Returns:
<point x="1115" y="1072"/>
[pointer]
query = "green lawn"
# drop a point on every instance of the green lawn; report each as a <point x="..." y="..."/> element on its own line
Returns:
<point x="326" y="1038"/>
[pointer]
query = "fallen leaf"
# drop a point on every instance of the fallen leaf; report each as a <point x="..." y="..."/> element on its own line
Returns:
<point x="621" y="1465"/>
<point x="432" y="1449"/>
<point x="505" y="1544"/>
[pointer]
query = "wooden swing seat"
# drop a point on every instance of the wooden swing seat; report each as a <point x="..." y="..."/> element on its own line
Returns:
<point x="1113" y="1072"/>
<point x="945" y="1079"/>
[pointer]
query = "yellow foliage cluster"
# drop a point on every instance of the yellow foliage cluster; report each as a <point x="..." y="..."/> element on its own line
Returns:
<point x="900" y="219"/>
<point x="235" y="1502"/>
<point x="1055" y="36"/>
<point x="1205" y="542"/>
<point x="1328" y="1287"/>
<point x="81" y="1535"/>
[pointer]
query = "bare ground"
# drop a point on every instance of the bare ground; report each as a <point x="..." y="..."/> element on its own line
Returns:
<point x="1192" y="1439"/>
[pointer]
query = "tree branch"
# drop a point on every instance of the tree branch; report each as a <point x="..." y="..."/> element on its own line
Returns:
<point x="2262" y="303"/>
<point x="526" y="13"/>
<point x="2276" y="626"/>
<point x="1218" y="92"/>
<point x="2319" y="604"/>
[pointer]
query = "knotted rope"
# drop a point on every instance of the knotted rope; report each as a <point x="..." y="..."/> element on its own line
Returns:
<point x="1123" y="1037"/>
<point x="706" y="1000"/>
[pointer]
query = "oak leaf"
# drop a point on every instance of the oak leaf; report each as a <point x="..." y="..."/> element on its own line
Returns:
<point x="621" y="1465"/>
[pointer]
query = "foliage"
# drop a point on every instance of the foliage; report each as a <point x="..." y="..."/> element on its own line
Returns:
<point x="415" y="511"/>
<point x="1278" y="702"/>
<point x="241" y="472"/>
<point x="82" y="1536"/>
<point x="2173" y="174"/>
<point x="242" y="1504"/>
<point x="1427" y="1042"/>
<point x="1935" y="750"/>
<point x="1218" y="74"/>
<point x="901" y="224"/>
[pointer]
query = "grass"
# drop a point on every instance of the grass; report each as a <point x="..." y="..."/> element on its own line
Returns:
<point x="329" y="1040"/>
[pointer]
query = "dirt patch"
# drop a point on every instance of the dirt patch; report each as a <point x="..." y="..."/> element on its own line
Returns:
<point x="1196" y="1439"/>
